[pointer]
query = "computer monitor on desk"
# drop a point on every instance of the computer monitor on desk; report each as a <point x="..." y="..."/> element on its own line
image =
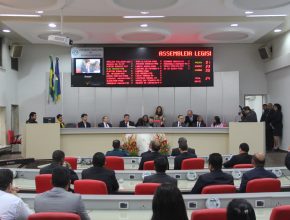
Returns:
<point x="48" y="119"/>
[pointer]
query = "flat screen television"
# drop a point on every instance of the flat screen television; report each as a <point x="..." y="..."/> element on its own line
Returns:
<point x="87" y="66"/>
<point x="48" y="119"/>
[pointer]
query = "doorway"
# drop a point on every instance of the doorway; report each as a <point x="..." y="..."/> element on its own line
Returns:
<point x="255" y="102"/>
<point x="2" y="126"/>
<point x="15" y="118"/>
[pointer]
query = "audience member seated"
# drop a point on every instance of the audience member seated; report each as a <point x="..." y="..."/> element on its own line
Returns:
<point x="179" y="122"/>
<point x="11" y="206"/>
<point x="57" y="161"/>
<point x="159" y="117"/>
<point x="248" y="115"/>
<point x="32" y="118"/>
<point x="126" y="122"/>
<point x="258" y="172"/>
<point x="117" y="151"/>
<point x="242" y="158"/>
<point x="190" y="119"/>
<point x="184" y="153"/>
<point x="155" y="147"/>
<point x="151" y="122"/>
<point x="217" y="122"/>
<point x="168" y="204"/>
<point x="98" y="172"/>
<point x="199" y="122"/>
<point x="240" y="209"/>
<point x="161" y="165"/>
<point x="58" y="199"/>
<point x="143" y="122"/>
<point x="84" y="121"/>
<point x="60" y="121"/>
<point x="216" y="175"/>
<point x="105" y="122"/>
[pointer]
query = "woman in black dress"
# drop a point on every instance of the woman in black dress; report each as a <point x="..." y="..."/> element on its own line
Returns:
<point x="277" y="125"/>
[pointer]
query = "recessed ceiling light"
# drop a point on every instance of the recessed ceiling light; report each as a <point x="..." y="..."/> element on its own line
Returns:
<point x="52" y="25"/>
<point x="144" y="12"/>
<point x="39" y="12"/>
<point x="6" y="30"/>
<point x="249" y="12"/>
<point x="257" y="16"/>
<point x="18" y="15"/>
<point x="144" y="25"/>
<point x="234" y="25"/>
<point x="277" y="30"/>
<point x="144" y="16"/>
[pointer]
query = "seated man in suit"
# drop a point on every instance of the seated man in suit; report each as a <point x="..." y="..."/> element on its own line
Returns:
<point x="216" y="175"/>
<point x="57" y="161"/>
<point x="11" y="206"/>
<point x="59" y="120"/>
<point x="184" y="154"/>
<point x="179" y="122"/>
<point x="32" y="118"/>
<point x="58" y="199"/>
<point x="98" y="172"/>
<point x="259" y="171"/>
<point x="176" y="151"/>
<point x="117" y="151"/>
<point x="126" y="122"/>
<point x="242" y="158"/>
<point x="155" y="147"/>
<point x="190" y="119"/>
<point x="199" y="122"/>
<point x="161" y="165"/>
<point x="84" y="122"/>
<point x="105" y="123"/>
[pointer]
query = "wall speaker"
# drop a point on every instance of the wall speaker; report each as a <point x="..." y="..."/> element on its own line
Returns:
<point x="16" y="51"/>
<point x="265" y="52"/>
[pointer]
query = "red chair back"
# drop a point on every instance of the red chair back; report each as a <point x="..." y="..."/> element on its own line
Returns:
<point x="243" y="166"/>
<point x="146" y="188"/>
<point x="95" y="187"/>
<point x="280" y="212"/>
<point x="43" y="183"/>
<point x="192" y="164"/>
<point x="11" y="138"/>
<point x="149" y="165"/>
<point x="263" y="185"/>
<point x="73" y="161"/>
<point x="115" y="163"/>
<point x="54" y="216"/>
<point x="209" y="214"/>
<point x="218" y="189"/>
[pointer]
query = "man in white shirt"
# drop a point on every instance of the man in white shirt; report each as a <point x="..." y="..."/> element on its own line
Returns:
<point x="105" y="123"/>
<point x="11" y="206"/>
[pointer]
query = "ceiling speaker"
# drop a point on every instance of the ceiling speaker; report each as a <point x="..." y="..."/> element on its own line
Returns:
<point x="265" y="52"/>
<point x="16" y="51"/>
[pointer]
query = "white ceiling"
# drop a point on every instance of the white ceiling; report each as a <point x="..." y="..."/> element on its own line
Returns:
<point x="185" y="21"/>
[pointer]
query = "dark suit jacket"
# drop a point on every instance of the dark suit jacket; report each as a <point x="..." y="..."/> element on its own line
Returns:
<point x="101" y="125"/>
<point x="243" y="158"/>
<point x="256" y="173"/>
<point x="174" y="124"/>
<point x="190" y="121"/>
<point x="117" y="153"/>
<point x="202" y="124"/>
<point x="150" y="156"/>
<point x="216" y="177"/>
<point x="82" y="125"/>
<point x="123" y="125"/>
<point x="287" y="161"/>
<point x="160" y="178"/>
<point x="176" y="151"/>
<point x="102" y="174"/>
<point x="146" y="152"/>
<point x="178" y="159"/>
<point x="48" y="170"/>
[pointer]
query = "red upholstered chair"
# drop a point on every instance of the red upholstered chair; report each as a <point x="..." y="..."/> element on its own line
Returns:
<point x="209" y="214"/>
<point x="149" y="165"/>
<point x="73" y="161"/>
<point x="115" y="163"/>
<point x="218" y="189"/>
<point x="192" y="164"/>
<point x="12" y="138"/>
<point x="263" y="185"/>
<point x="146" y="188"/>
<point x="243" y="166"/>
<point x="54" y="216"/>
<point x="280" y="212"/>
<point x="90" y="187"/>
<point x="43" y="183"/>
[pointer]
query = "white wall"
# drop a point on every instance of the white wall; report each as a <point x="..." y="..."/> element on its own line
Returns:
<point x="8" y="84"/>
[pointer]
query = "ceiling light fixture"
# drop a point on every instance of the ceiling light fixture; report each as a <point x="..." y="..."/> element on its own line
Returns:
<point x="144" y="12"/>
<point x="6" y="30"/>
<point x="234" y="25"/>
<point x="144" y="25"/>
<point x="52" y="25"/>
<point x="144" y="16"/>
<point x="18" y="15"/>
<point x="39" y="12"/>
<point x="257" y="16"/>
<point x="277" y="30"/>
<point x="249" y="12"/>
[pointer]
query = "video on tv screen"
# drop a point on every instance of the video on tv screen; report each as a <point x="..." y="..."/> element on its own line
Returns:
<point x="87" y="66"/>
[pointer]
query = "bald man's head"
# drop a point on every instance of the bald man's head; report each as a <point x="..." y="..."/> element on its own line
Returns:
<point x="258" y="160"/>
